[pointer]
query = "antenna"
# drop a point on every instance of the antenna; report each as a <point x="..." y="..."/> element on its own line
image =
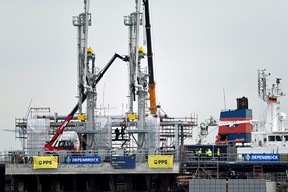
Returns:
<point x="224" y="98"/>
<point x="28" y="109"/>
<point x="104" y="98"/>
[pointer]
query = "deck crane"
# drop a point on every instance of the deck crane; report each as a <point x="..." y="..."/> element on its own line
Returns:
<point x="152" y="84"/>
<point x="69" y="145"/>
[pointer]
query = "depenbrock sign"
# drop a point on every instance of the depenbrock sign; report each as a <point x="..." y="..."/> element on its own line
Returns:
<point x="82" y="159"/>
<point x="261" y="157"/>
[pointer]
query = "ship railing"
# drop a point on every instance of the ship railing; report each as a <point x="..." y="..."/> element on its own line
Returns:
<point x="191" y="156"/>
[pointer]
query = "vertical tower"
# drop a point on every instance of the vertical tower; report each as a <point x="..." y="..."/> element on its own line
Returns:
<point x="86" y="71"/>
<point x="82" y="22"/>
<point x="146" y="128"/>
<point x="133" y="21"/>
<point x="136" y="77"/>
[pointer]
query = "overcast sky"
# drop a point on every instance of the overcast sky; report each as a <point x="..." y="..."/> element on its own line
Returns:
<point x="200" y="48"/>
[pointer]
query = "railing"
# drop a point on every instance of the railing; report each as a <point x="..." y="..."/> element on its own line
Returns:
<point x="19" y="157"/>
<point x="190" y="156"/>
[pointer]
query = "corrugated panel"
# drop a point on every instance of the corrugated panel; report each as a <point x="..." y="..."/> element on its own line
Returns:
<point x="234" y="185"/>
<point x="246" y="185"/>
<point x="207" y="185"/>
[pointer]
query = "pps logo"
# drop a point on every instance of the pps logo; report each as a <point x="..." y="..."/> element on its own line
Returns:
<point x="160" y="162"/>
<point x="45" y="162"/>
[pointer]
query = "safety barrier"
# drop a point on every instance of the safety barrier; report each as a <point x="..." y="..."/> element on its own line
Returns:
<point x="190" y="156"/>
<point x="19" y="157"/>
<point x="140" y="156"/>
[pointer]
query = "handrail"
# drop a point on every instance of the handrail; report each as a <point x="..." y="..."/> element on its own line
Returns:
<point x="16" y="157"/>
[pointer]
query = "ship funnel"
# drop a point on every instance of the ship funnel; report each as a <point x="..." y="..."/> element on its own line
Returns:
<point x="242" y="103"/>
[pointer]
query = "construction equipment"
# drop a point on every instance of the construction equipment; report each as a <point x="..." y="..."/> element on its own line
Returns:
<point x="55" y="144"/>
<point x="152" y="89"/>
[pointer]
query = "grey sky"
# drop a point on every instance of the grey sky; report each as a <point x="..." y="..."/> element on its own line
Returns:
<point x="200" y="47"/>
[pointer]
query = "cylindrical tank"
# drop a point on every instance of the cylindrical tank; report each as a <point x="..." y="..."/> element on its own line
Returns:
<point x="242" y="103"/>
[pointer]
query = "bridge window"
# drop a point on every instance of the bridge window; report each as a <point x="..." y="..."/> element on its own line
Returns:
<point x="271" y="138"/>
<point x="278" y="138"/>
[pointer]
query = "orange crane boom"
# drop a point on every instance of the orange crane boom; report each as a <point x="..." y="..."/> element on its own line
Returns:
<point x="152" y="84"/>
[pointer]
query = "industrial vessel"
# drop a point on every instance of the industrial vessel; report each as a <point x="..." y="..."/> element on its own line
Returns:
<point x="250" y="146"/>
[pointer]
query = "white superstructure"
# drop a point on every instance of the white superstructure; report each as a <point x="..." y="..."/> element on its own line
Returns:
<point x="268" y="136"/>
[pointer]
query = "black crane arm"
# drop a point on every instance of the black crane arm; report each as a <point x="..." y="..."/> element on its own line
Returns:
<point x="49" y="146"/>
<point x="152" y="85"/>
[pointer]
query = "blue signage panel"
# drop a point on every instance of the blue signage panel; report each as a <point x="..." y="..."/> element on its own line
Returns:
<point x="123" y="162"/>
<point x="82" y="159"/>
<point x="261" y="157"/>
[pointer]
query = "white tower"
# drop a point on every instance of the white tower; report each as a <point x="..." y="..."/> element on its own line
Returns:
<point x="145" y="127"/>
<point x="86" y="72"/>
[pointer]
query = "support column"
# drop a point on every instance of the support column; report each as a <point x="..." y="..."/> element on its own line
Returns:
<point x="177" y="142"/>
<point x="147" y="181"/>
<point x="20" y="185"/>
<point x="91" y="103"/>
<point x="56" y="185"/>
<point x="39" y="185"/>
<point x="74" y="180"/>
<point x="112" y="183"/>
<point x="164" y="183"/>
<point x="129" y="184"/>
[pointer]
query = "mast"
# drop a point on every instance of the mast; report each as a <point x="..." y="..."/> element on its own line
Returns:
<point x="82" y="22"/>
<point x="270" y="96"/>
<point x="86" y="71"/>
<point x="133" y="21"/>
